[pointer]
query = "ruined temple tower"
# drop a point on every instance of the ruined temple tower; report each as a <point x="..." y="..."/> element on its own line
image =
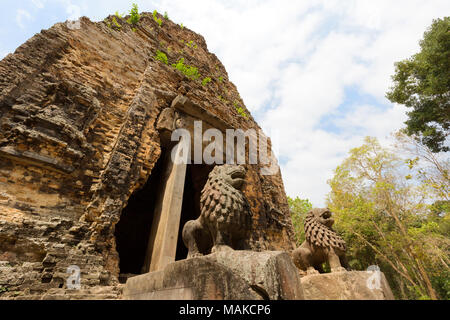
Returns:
<point x="85" y="116"/>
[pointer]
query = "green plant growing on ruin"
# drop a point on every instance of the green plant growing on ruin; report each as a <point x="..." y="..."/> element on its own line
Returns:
<point x="189" y="71"/>
<point x="166" y="15"/>
<point x="155" y="17"/>
<point x="134" y="15"/>
<point x="220" y="79"/>
<point x="181" y="26"/>
<point x="119" y="15"/>
<point x="206" y="81"/>
<point x="240" y="110"/>
<point x="116" y="24"/>
<point x="3" y="289"/>
<point x="161" y="56"/>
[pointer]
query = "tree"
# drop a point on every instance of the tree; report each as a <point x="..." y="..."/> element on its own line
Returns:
<point x="422" y="83"/>
<point x="385" y="208"/>
<point x="299" y="208"/>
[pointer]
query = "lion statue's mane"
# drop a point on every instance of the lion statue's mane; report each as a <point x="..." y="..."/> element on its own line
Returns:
<point x="322" y="244"/>
<point x="225" y="216"/>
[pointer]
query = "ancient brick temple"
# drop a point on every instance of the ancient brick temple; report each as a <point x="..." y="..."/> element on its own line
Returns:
<point x="85" y="116"/>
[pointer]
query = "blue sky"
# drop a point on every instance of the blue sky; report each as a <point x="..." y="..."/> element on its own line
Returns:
<point x="314" y="72"/>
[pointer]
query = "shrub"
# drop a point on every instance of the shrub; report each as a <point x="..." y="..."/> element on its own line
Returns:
<point x="189" y="71"/>
<point x="118" y="15"/>
<point x="134" y="15"/>
<point x="161" y="56"/>
<point x="206" y="81"/>
<point x="115" y="24"/>
<point x="220" y="79"/>
<point x="155" y="17"/>
<point x="166" y="15"/>
<point x="181" y="26"/>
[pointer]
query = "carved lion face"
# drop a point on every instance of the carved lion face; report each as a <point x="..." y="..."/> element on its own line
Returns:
<point x="232" y="174"/>
<point x="323" y="216"/>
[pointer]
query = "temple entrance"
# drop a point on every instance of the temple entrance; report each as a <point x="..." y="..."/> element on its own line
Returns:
<point x="196" y="177"/>
<point x="133" y="230"/>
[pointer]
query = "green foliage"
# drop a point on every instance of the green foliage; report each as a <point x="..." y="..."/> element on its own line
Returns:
<point x="206" y="81"/>
<point x="134" y="15"/>
<point x="155" y="17"/>
<point x="299" y="208"/>
<point x="161" y="56"/>
<point x="387" y="219"/>
<point x="220" y="79"/>
<point x="422" y="83"/>
<point x="3" y="289"/>
<point x="181" y="26"/>
<point x="166" y="15"/>
<point x="189" y="71"/>
<point x="116" y="24"/>
<point x="118" y="15"/>
<point x="240" y="110"/>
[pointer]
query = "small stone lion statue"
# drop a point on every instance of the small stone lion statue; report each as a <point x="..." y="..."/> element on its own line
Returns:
<point x="322" y="244"/>
<point x="225" y="216"/>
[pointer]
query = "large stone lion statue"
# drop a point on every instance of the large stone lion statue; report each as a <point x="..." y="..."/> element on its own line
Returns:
<point x="225" y="216"/>
<point x="322" y="244"/>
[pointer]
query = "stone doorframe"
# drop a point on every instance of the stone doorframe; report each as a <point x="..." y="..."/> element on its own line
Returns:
<point x="163" y="237"/>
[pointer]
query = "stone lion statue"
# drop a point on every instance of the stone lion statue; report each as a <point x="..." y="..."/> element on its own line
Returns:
<point x="322" y="244"/>
<point x="225" y="216"/>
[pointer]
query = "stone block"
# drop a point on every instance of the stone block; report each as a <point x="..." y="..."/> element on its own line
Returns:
<point x="230" y="275"/>
<point x="351" y="285"/>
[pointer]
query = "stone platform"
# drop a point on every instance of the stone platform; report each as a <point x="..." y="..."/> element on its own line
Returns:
<point x="349" y="285"/>
<point x="230" y="275"/>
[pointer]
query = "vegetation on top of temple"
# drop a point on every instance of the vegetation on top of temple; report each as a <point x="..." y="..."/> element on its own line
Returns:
<point x="134" y="15"/>
<point x="422" y="83"/>
<point x="206" y="80"/>
<point x="393" y="210"/>
<point x="189" y="71"/>
<point x="240" y="110"/>
<point x="155" y="17"/>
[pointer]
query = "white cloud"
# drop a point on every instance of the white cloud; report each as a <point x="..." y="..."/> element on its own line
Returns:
<point x="21" y="16"/>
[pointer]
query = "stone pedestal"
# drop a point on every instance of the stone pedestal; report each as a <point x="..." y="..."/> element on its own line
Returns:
<point x="352" y="285"/>
<point x="230" y="275"/>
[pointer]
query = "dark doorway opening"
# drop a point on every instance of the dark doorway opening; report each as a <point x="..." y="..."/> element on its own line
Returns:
<point x="133" y="229"/>
<point x="196" y="177"/>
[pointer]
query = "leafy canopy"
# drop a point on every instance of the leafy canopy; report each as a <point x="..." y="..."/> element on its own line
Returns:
<point x="422" y="83"/>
